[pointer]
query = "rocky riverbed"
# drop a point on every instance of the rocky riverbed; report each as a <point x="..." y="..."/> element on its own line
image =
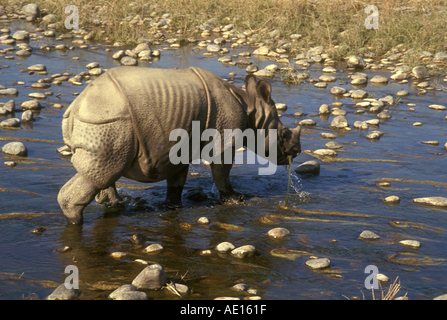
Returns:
<point x="369" y="187"/>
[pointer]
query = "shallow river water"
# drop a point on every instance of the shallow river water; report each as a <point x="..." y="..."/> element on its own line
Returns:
<point x="327" y="213"/>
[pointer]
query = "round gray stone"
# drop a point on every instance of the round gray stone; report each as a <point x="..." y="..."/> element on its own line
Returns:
<point x="153" y="277"/>
<point x="62" y="293"/>
<point x="308" y="167"/>
<point x="369" y="235"/>
<point x="318" y="264"/>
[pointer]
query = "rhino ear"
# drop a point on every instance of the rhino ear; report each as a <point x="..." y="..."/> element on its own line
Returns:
<point x="250" y="85"/>
<point x="264" y="90"/>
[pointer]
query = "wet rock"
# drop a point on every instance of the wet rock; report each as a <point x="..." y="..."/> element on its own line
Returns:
<point x="320" y="85"/>
<point x="354" y="61"/>
<point x="10" y="106"/>
<point x="442" y="297"/>
<point x="243" y="251"/>
<point x="21" y="35"/>
<point x="278" y="233"/>
<point x="402" y="93"/>
<point x="118" y="55"/>
<point x="324" y="109"/>
<point x="224" y="247"/>
<point x="31" y="105"/>
<point x="31" y="11"/>
<point x="307" y="122"/>
<point x="95" y="72"/>
<point x="437" y="107"/>
<point x="359" y="81"/>
<point x="241" y="287"/>
<point x="281" y="106"/>
<point x="399" y="76"/>
<point x="65" y="151"/>
<point x="308" y="167"/>
<point x="64" y="249"/>
<point x="38" y="231"/>
<point x="9" y="91"/>
<point x="410" y="243"/>
<point x="10" y="123"/>
<point x="129" y="61"/>
<point x="327" y="78"/>
<point x="328" y="135"/>
<point x="339" y="122"/>
<point x="263" y="73"/>
<point x="338" y="90"/>
<point x="318" y="264"/>
<point x="392" y="199"/>
<point x="10" y="164"/>
<point x="373" y="136"/>
<point x="118" y="254"/>
<point x="92" y="65"/>
<point x="432" y="201"/>
<point x="225" y="59"/>
<point x="153" y="277"/>
<point x="62" y="293"/>
<point x="388" y="100"/>
<point x="382" y="278"/>
<point x="369" y="235"/>
<point x="420" y="72"/>
<point x="252" y="68"/>
<point x="360" y="125"/>
<point x="154" y="248"/>
<point x="333" y="145"/>
<point x="325" y="152"/>
<point x="262" y="51"/>
<point x="378" y="79"/>
<point x="432" y="143"/>
<point x="125" y="288"/>
<point x="359" y="94"/>
<point x="204" y="220"/>
<point x="27" y="116"/>
<point x="213" y="48"/>
<point x="132" y="295"/>
<point x="384" y="115"/>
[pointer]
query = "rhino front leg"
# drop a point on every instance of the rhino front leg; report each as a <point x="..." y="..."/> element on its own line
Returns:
<point x="175" y="188"/>
<point x="221" y="178"/>
<point x="74" y="196"/>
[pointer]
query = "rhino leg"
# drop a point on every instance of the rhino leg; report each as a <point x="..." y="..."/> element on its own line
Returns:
<point x="175" y="188"/>
<point x="74" y="196"/>
<point x="221" y="178"/>
<point x="109" y="197"/>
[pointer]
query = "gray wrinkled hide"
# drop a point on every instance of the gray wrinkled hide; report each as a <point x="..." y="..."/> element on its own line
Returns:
<point x="120" y="125"/>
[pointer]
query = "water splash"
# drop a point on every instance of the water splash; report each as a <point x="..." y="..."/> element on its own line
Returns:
<point x="294" y="181"/>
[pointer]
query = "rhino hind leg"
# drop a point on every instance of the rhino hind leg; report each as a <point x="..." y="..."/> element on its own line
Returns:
<point x="109" y="197"/>
<point x="175" y="187"/>
<point x="221" y="178"/>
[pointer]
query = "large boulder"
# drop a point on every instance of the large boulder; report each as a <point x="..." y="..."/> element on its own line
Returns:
<point x="31" y="11"/>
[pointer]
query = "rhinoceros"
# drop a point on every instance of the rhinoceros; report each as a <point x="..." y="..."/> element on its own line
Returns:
<point x="121" y="123"/>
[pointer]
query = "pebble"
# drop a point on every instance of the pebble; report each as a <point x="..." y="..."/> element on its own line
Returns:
<point x="373" y="136"/>
<point x="10" y="123"/>
<point x="432" y="143"/>
<point x="354" y="61"/>
<point x="328" y="135"/>
<point x="392" y="199"/>
<point x="333" y="145"/>
<point x="132" y="295"/>
<point x="432" y="201"/>
<point x="318" y="264"/>
<point x="203" y="220"/>
<point x="262" y="51"/>
<point x="441" y="297"/>
<point x="62" y="293"/>
<point x="154" y="248"/>
<point x="338" y="90"/>
<point x="15" y="149"/>
<point x="118" y="255"/>
<point x="224" y="247"/>
<point x="437" y="107"/>
<point x="339" y="122"/>
<point x="307" y="122"/>
<point x="37" y="95"/>
<point x="10" y="164"/>
<point x="27" y="116"/>
<point x="281" y="106"/>
<point x="420" y="72"/>
<point x="31" y="105"/>
<point x="243" y="251"/>
<point x="417" y="124"/>
<point x="180" y="288"/>
<point x="153" y="277"/>
<point x="361" y="125"/>
<point x="308" y="167"/>
<point x="411" y="243"/>
<point x="359" y="94"/>
<point x="9" y="92"/>
<point x="325" y="152"/>
<point x="119" y="291"/>
<point x="278" y="233"/>
<point x="368" y="235"/>
<point x="324" y="109"/>
<point x="382" y="278"/>
<point x="378" y="79"/>
<point x="129" y="61"/>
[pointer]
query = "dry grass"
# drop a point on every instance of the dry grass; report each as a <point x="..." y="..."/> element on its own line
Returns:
<point x="338" y="25"/>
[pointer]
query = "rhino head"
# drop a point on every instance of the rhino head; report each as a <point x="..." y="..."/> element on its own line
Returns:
<point x="262" y="114"/>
